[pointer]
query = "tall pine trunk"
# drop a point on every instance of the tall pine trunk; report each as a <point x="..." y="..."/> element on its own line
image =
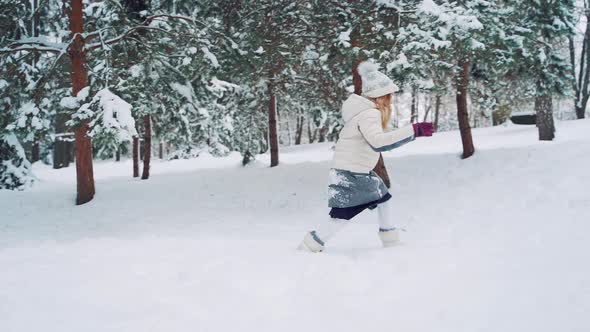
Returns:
<point x="581" y="82"/>
<point x="544" y="111"/>
<point x="79" y="75"/>
<point x="436" y="111"/>
<point x="35" y="151"/>
<point x="272" y="127"/>
<point x="299" y="130"/>
<point x="462" y="111"/>
<point x="311" y="134"/>
<point x="147" y="146"/>
<point x="61" y="147"/>
<point x="135" y="156"/>
<point x="414" y="106"/>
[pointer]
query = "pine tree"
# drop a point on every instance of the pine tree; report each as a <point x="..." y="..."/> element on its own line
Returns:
<point x="458" y="38"/>
<point x="544" y="26"/>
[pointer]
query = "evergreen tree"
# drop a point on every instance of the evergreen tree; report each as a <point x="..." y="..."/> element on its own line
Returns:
<point x="544" y="26"/>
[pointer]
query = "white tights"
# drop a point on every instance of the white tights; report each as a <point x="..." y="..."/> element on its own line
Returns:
<point x="330" y="226"/>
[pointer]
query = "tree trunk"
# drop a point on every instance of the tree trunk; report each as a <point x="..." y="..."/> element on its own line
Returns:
<point x="427" y="112"/>
<point x="544" y="110"/>
<point x="356" y="78"/>
<point x="272" y="128"/>
<point x="311" y="134"/>
<point x="462" y="111"/>
<point x="36" y="28"/>
<point x="161" y="150"/>
<point x="118" y="154"/>
<point x="61" y="146"/>
<point x="322" y="134"/>
<point x="299" y="130"/>
<point x="79" y="75"/>
<point x="35" y="153"/>
<point x="147" y="147"/>
<point x="436" y="111"/>
<point x="581" y="111"/>
<point x="135" y="156"/>
<point x="414" y="106"/>
<point x="581" y="82"/>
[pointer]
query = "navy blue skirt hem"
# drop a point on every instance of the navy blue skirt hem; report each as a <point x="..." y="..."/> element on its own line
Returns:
<point x="350" y="212"/>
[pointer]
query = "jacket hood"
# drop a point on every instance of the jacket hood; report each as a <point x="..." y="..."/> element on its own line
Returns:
<point x="355" y="105"/>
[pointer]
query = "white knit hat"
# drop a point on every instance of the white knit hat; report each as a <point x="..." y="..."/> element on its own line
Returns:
<point x="375" y="83"/>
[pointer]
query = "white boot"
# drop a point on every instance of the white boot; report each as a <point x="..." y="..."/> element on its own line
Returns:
<point x="311" y="243"/>
<point x="314" y="241"/>
<point x="389" y="238"/>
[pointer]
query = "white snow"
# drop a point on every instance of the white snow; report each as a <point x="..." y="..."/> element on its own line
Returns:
<point x="220" y="85"/>
<point x="83" y="93"/>
<point x="344" y="38"/>
<point x="429" y="7"/>
<point x="210" y="56"/>
<point x="116" y="115"/>
<point x="69" y="102"/>
<point x="22" y="172"/>
<point x="497" y="242"/>
<point x="136" y="70"/>
<point x="184" y="90"/>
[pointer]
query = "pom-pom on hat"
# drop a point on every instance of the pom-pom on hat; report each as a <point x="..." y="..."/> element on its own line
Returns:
<point x="375" y="83"/>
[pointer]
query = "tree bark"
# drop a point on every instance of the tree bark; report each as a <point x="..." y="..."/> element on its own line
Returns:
<point x="581" y="82"/>
<point x="299" y="130"/>
<point x="135" y="156"/>
<point x="462" y="111"/>
<point x="161" y="150"/>
<point x="356" y="78"/>
<point x="545" y="123"/>
<point x="272" y="128"/>
<point x="35" y="153"/>
<point x="147" y="146"/>
<point x="436" y="111"/>
<point x="61" y="147"/>
<point x="311" y="134"/>
<point x="322" y="134"/>
<point x="118" y="154"/>
<point x="414" y="107"/>
<point x="79" y="75"/>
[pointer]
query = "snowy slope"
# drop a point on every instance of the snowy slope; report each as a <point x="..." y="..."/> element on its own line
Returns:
<point x="498" y="242"/>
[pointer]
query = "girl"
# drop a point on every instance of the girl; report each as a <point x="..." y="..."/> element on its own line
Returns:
<point x="354" y="186"/>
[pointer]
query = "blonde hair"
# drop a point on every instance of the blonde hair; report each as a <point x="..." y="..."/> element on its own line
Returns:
<point x="384" y="106"/>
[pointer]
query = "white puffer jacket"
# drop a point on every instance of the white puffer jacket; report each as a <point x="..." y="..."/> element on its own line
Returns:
<point x="362" y="138"/>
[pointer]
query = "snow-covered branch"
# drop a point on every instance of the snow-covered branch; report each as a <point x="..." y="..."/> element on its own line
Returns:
<point x="38" y="44"/>
<point x="125" y="35"/>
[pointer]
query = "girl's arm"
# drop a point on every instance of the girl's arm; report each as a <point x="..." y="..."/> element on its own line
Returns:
<point x="369" y="125"/>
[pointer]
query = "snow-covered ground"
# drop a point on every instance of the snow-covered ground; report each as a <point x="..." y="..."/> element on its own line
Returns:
<point x="498" y="242"/>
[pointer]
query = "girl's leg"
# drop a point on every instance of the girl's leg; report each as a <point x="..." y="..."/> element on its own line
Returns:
<point x="388" y="233"/>
<point x="314" y="241"/>
<point x="386" y="216"/>
<point x="328" y="228"/>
